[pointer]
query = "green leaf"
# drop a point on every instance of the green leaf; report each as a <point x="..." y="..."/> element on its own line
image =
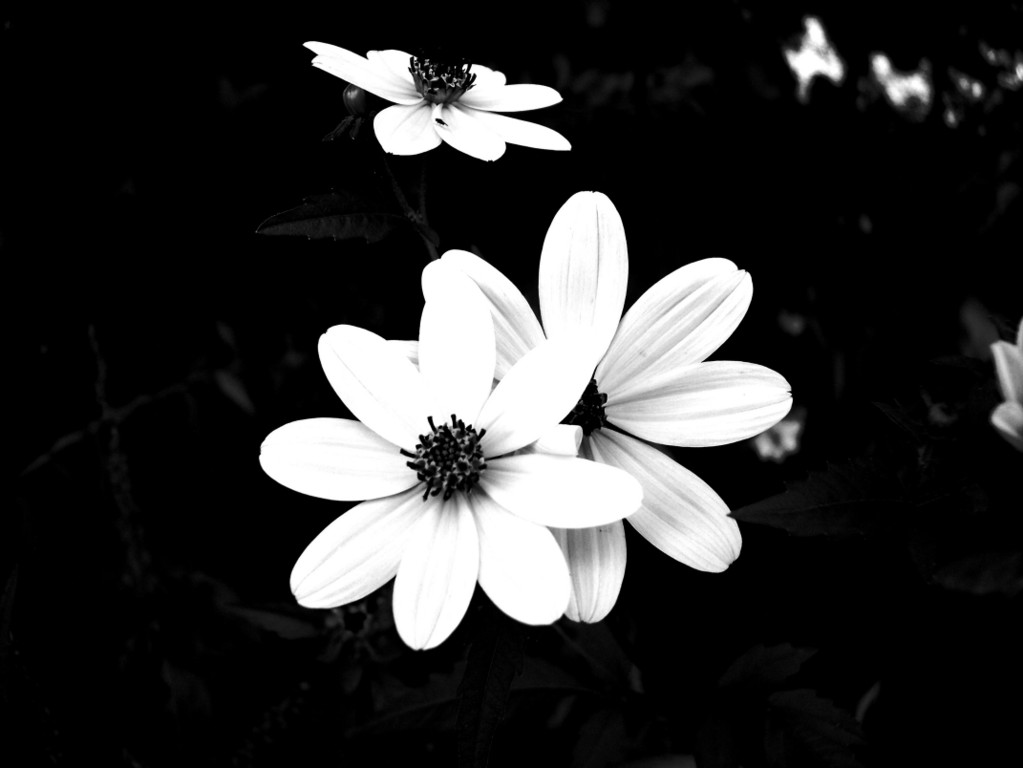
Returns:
<point x="845" y="500"/>
<point x="495" y="659"/>
<point x="338" y="215"/>
<point x="804" y="729"/>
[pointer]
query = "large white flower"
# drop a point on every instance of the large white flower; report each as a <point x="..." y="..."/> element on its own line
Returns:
<point x="436" y="101"/>
<point x="649" y="380"/>
<point x="452" y="498"/>
<point x="1007" y="418"/>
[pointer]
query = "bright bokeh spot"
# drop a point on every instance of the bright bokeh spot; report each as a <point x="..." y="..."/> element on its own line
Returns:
<point x="814" y="57"/>
<point x="906" y="91"/>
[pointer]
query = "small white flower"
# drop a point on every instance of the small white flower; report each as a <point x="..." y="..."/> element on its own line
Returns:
<point x="437" y="451"/>
<point x="649" y="379"/>
<point x="438" y="101"/>
<point x="1007" y="418"/>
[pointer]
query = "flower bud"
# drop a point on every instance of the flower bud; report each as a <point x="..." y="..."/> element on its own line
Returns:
<point x="355" y="100"/>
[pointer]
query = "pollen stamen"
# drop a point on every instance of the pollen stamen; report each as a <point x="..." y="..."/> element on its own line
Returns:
<point x="438" y="82"/>
<point x="449" y="458"/>
<point x="588" y="413"/>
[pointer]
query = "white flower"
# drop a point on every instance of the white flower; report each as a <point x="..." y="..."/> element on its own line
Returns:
<point x="650" y="380"/>
<point x="448" y="503"/>
<point x="1007" y="418"/>
<point x="439" y="101"/>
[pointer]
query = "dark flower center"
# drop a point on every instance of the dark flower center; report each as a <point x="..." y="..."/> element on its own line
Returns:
<point x="438" y="82"/>
<point x="589" y="411"/>
<point x="449" y="458"/>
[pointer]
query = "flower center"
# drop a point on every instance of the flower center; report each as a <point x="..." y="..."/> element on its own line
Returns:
<point x="449" y="458"/>
<point x="438" y="82"/>
<point x="589" y="411"/>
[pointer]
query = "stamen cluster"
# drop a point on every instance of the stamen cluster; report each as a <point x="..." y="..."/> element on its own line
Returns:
<point x="449" y="458"/>
<point x="441" y="83"/>
<point x="589" y="411"/>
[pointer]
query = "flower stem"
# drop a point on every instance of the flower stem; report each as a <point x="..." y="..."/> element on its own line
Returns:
<point x="416" y="217"/>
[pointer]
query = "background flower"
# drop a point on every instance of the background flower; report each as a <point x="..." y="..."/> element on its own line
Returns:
<point x="651" y="382"/>
<point x="438" y="101"/>
<point x="1007" y="418"/>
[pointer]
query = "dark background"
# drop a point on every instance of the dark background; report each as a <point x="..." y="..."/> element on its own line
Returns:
<point x="146" y="618"/>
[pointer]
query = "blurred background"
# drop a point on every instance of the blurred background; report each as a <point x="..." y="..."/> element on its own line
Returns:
<point x="861" y="162"/>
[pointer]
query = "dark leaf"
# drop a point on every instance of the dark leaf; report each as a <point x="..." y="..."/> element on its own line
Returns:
<point x="337" y="215"/>
<point x="280" y="623"/>
<point x="984" y="574"/>
<point x="804" y="729"/>
<point x="849" y="499"/>
<point x="766" y="666"/>
<point x="495" y="659"/>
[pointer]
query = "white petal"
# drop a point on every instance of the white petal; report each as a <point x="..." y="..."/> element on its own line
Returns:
<point x="596" y="563"/>
<point x="357" y="553"/>
<point x="561" y="491"/>
<point x="515" y="325"/>
<point x="1009" y="367"/>
<point x="523" y="132"/>
<point x="438" y="571"/>
<point x="379" y="386"/>
<point x="521" y="567"/>
<point x="487" y="78"/>
<point x="681" y="320"/>
<point x="398" y="62"/>
<point x="1007" y="418"/>
<point x="460" y="128"/>
<point x="374" y="76"/>
<point x="407" y="349"/>
<point x="560" y="440"/>
<point x="584" y="271"/>
<point x="336" y="459"/>
<point x="1019" y="337"/>
<point x="456" y="343"/>
<point x="705" y="404"/>
<point x="406" y="130"/>
<point x="681" y="515"/>
<point x="510" y="98"/>
<point x="537" y="393"/>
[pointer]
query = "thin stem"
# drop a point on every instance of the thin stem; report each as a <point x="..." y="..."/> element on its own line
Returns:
<point x="417" y="218"/>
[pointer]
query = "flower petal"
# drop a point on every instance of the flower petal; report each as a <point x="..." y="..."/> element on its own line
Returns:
<point x="379" y="386"/>
<point x="336" y="459"/>
<point x="397" y="62"/>
<point x="515" y="325"/>
<point x="460" y="128"/>
<point x="596" y="563"/>
<point x="521" y="567"/>
<point x="357" y="553"/>
<point x="523" y="132"/>
<point x="1009" y="367"/>
<point x="559" y="440"/>
<point x="561" y="491"/>
<point x="704" y="404"/>
<point x="372" y="75"/>
<point x="438" y="571"/>
<point x="584" y="271"/>
<point x="1007" y="418"/>
<point x="681" y="320"/>
<point x="487" y="78"/>
<point x="537" y="393"/>
<point x="456" y="343"/>
<point x="406" y="130"/>
<point x="407" y="349"/>
<point x="510" y="98"/>
<point x="681" y="515"/>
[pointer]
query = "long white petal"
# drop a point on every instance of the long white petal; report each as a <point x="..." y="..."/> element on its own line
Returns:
<point x="1007" y="418"/>
<point x="537" y="393"/>
<point x="438" y="571"/>
<point x="1009" y="368"/>
<point x="521" y="567"/>
<point x="523" y="132"/>
<point x="357" y="553"/>
<point x="596" y="562"/>
<point x="336" y="459"/>
<point x="681" y="320"/>
<point x="380" y="386"/>
<point x="374" y="76"/>
<point x="456" y="343"/>
<point x="398" y="62"/>
<point x="510" y="98"/>
<point x="406" y="130"/>
<point x="486" y="78"/>
<point x="406" y="348"/>
<point x="460" y="128"/>
<point x="515" y="325"/>
<point x="584" y="271"/>
<point x="561" y="491"/>
<point x="681" y="515"/>
<point x="711" y="403"/>
<point x="560" y="440"/>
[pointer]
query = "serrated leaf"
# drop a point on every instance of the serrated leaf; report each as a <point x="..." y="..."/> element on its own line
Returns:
<point x="766" y="666"/>
<point x="804" y="729"/>
<point x="844" y="500"/>
<point x="495" y="659"/>
<point x="335" y="215"/>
